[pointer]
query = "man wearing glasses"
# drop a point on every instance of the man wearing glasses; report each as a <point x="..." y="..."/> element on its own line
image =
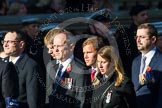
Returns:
<point x="147" y="68"/>
<point x="28" y="70"/>
<point x="69" y="74"/>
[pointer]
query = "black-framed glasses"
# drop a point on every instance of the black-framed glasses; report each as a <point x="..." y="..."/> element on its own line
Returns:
<point x="9" y="41"/>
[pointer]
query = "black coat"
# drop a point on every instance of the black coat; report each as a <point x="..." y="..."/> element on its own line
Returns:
<point x="29" y="78"/>
<point x="121" y="96"/>
<point x="8" y="82"/>
<point x="127" y="47"/>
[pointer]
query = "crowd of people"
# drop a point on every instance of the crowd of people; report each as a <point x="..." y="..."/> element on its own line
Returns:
<point x="24" y="7"/>
<point x="97" y="69"/>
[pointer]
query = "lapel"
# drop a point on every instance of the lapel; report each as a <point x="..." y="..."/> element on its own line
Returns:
<point x="74" y="70"/>
<point x="154" y="60"/>
<point x="67" y="74"/>
<point x="52" y="69"/>
<point x="20" y="64"/>
<point x="136" y="73"/>
<point x="152" y="64"/>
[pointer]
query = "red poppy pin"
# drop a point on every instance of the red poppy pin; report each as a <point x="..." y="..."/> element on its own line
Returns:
<point x="148" y="69"/>
<point x="149" y="75"/>
<point x="68" y="69"/>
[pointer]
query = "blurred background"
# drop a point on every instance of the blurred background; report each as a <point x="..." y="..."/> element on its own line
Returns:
<point x="53" y="12"/>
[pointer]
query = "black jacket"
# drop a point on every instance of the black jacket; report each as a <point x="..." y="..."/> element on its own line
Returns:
<point x="8" y="83"/>
<point x="29" y="82"/>
<point x="121" y="97"/>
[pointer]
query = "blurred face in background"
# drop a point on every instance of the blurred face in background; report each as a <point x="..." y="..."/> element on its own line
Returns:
<point x="32" y="29"/>
<point x="23" y="10"/>
<point x="58" y="5"/>
<point x="50" y="50"/>
<point x="141" y="17"/>
<point x="17" y="8"/>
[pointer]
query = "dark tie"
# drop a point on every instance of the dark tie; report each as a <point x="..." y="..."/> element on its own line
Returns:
<point x="93" y="74"/>
<point x="58" y="77"/>
<point x="143" y="60"/>
<point x="59" y="70"/>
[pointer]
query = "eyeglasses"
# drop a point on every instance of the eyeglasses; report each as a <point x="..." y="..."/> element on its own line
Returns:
<point x="9" y="41"/>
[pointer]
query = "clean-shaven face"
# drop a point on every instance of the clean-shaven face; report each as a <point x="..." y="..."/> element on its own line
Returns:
<point x="102" y="65"/>
<point x="11" y="44"/>
<point x="62" y="50"/>
<point x="50" y="50"/>
<point x="89" y="54"/>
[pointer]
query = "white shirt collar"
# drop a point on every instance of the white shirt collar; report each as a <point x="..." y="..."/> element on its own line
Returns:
<point x="149" y="56"/>
<point x="151" y="53"/>
<point x="67" y="62"/>
<point x="15" y="60"/>
<point x="94" y="69"/>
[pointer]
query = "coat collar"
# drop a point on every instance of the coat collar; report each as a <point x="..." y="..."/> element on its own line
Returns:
<point x="22" y="61"/>
<point x="154" y="59"/>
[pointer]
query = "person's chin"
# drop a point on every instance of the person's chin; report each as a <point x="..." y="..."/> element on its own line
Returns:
<point x="139" y="47"/>
<point x="102" y="73"/>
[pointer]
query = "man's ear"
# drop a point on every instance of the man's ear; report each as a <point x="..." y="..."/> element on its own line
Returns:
<point x="72" y="45"/>
<point x="22" y="44"/>
<point x="153" y="39"/>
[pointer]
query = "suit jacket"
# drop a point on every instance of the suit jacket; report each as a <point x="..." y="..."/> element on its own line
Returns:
<point x="28" y="72"/>
<point x="121" y="97"/>
<point x="75" y="96"/>
<point x="150" y="94"/>
<point x="50" y="75"/>
<point x="8" y="83"/>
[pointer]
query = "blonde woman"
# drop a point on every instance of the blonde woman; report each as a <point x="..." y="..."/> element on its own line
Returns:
<point x="114" y="90"/>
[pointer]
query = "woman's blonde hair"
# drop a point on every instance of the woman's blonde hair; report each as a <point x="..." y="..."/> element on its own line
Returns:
<point x="109" y="54"/>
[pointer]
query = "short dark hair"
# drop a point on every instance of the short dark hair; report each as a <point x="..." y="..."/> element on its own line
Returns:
<point x="152" y="29"/>
<point x="20" y="35"/>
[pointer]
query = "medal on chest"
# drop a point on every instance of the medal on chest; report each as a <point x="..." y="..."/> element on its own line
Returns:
<point x="66" y="83"/>
<point x="142" y="79"/>
<point x="108" y="97"/>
